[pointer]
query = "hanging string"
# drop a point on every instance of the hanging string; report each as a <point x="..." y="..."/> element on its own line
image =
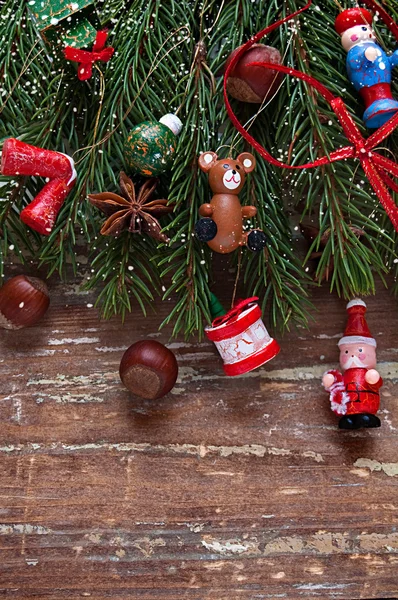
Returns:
<point x="379" y="40"/>
<point x="264" y="104"/>
<point x="237" y="277"/>
<point x="101" y="101"/>
<point x="200" y="51"/>
<point x="216" y="19"/>
<point x="250" y="122"/>
<point x="201" y="48"/>
<point x="25" y="67"/>
<point x="337" y="3"/>
<point x="153" y="68"/>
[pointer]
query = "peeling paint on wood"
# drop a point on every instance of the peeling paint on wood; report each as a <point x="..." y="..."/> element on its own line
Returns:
<point x="229" y="547"/>
<point x="79" y="340"/>
<point x="201" y="451"/>
<point x="390" y="469"/>
<point x="227" y="488"/>
<point x="23" y="529"/>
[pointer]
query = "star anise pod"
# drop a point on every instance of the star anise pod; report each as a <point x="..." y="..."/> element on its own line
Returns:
<point x="135" y="212"/>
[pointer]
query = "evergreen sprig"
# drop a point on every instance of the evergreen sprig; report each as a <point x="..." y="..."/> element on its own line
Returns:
<point x="169" y="56"/>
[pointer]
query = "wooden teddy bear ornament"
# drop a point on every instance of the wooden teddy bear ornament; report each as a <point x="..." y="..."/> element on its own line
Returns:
<point x="221" y="225"/>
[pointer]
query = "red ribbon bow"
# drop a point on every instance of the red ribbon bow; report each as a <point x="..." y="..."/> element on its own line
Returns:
<point x="376" y="167"/>
<point x="234" y="313"/>
<point x="86" y="59"/>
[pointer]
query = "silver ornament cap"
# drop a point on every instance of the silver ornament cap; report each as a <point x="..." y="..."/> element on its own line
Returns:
<point x="172" y="122"/>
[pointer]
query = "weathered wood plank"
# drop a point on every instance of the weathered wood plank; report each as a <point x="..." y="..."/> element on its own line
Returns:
<point x="228" y="488"/>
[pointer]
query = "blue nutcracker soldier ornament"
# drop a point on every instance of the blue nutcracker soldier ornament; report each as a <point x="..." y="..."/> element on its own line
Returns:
<point x="368" y="66"/>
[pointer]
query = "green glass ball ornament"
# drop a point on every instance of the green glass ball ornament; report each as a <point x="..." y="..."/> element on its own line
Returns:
<point x="150" y="146"/>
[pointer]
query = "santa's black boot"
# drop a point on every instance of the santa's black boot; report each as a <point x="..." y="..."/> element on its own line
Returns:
<point x="205" y="229"/>
<point x="368" y="420"/>
<point x="256" y="240"/>
<point x="349" y="422"/>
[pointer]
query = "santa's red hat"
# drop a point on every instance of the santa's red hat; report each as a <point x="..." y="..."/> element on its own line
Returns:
<point x="357" y="330"/>
<point x="351" y="17"/>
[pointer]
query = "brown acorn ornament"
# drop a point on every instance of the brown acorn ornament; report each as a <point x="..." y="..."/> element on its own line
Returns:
<point x="148" y="369"/>
<point x="254" y="84"/>
<point x="23" y="301"/>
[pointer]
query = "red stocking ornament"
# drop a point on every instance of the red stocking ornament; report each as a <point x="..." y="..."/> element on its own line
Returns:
<point x="19" y="158"/>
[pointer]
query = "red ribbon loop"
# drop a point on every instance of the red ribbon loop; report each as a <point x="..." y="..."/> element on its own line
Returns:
<point x="234" y="312"/>
<point x="86" y="59"/>
<point x="376" y="167"/>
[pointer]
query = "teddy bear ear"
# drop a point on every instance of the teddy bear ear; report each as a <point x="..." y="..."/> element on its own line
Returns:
<point x="207" y="160"/>
<point x="248" y="161"/>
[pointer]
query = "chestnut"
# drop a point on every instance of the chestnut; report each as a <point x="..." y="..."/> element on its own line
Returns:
<point x="254" y="84"/>
<point x="23" y="301"/>
<point x="148" y="369"/>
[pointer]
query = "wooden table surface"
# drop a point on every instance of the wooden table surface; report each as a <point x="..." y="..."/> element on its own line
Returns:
<point x="226" y="489"/>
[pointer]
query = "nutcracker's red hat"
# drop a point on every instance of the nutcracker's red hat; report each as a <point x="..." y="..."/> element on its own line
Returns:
<point x="357" y="330"/>
<point x="351" y="17"/>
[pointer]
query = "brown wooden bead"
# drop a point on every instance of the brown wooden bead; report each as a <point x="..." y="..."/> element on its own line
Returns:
<point x="254" y="84"/>
<point x="148" y="369"/>
<point x="23" y="301"/>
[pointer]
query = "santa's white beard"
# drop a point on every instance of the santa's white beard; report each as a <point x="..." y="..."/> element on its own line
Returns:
<point x="353" y="361"/>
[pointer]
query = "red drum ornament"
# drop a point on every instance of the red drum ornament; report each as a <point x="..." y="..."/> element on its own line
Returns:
<point x="242" y="339"/>
<point x="19" y="158"/>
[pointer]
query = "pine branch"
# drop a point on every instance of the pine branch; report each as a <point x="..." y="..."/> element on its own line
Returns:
<point x="339" y="194"/>
<point x="170" y="56"/>
<point x="122" y="270"/>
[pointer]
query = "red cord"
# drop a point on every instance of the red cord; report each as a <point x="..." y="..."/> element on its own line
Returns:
<point x="376" y="167"/>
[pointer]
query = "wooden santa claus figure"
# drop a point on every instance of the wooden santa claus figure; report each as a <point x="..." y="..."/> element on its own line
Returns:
<point x="354" y="394"/>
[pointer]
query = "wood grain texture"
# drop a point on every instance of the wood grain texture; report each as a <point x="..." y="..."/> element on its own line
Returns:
<point x="226" y="489"/>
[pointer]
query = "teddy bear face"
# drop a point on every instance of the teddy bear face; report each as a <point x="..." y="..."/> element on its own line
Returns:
<point x="227" y="175"/>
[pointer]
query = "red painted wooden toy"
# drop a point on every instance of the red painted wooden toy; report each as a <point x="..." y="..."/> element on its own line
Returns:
<point x="354" y="395"/>
<point x="19" y="158"/>
<point x="221" y="225"/>
<point x="369" y="67"/>
<point x="242" y="339"/>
